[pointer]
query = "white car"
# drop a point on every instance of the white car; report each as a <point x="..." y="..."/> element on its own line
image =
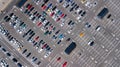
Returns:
<point x="40" y="50"/>
<point x="34" y="21"/>
<point x="13" y="17"/>
<point x="38" y="2"/>
<point x="46" y="55"/>
<point x="45" y="22"/>
<point x="19" y="31"/>
<point x="31" y="17"/>
<point x="30" y="40"/>
<point x="62" y="24"/>
<point x="79" y="18"/>
<point x="13" y="40"/>
<point x="21" y="9"/>
<point x="69" y="31"/>
<point x="54" y="17"/>
<point x="43" y="29"/>
<point x="98" y="28"/>
<point x="36" y="47"/>
<point x="91" y="43"/>
<point x="56" y="10"/>
<point x="65" y="4"/>
<point x="78" y="10"/>
<point x="88" y="4"/>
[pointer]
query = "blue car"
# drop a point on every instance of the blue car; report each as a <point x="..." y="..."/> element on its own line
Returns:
<point x="60" y="1"/>
<point x="49" y="5"/>
<point x="61" y="36"/>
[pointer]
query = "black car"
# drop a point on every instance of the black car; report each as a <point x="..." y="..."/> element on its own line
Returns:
<point x="24" y="35"/>
<point x="27" y="5"/>
<point x="6" y="17"/>
<point x="26" y="11"/>
<point x="35" y="59"/>
<point x="35" y="44"/>
<point x="8" y="54"/>
<point x="31" y="32"/>
<point x="35" y="13"/>
<point x="72" y="3"/>
<point x="38" y="63"/>
<point x="76" y="7"/>
<point x="21" y="23"/>
<point x="11" y="14"/>
<point x="68" y="39"/>
<point x="57" y="32"/>
<point x="71" y="9"/>
<point x="24" y="51"/>
<point x="109" y="16"/>
<point x="45" y="1"/>
<point x="80" y="11"/>
<point x="19" y="64"/>
<point x="15" y="60"/>
<point x="31" y="8"/>
<point x="83" y="14"/>
<point x="54" y="8"/>
<point x="10" y="38"/>
<point x="29" y="38"/>
<point x="33" y="18"/>
<point x="41" y="41"/>
<point x="42" y="5"/>
<point x="60" y="1"/>
<point x="48" y="47"/>
<point x="67" y="6"/>
<point x="69" y="22"/>
<point x="46" y="24"/>
<point x="28" y="54"/>
<point x="59" y="42"/>
<point x="3" y="49"/>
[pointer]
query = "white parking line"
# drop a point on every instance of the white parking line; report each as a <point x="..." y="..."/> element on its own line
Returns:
<point x="13" y="52"/>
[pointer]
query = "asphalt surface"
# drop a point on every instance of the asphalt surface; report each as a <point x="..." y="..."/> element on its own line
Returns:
<point x="104" y="53"/>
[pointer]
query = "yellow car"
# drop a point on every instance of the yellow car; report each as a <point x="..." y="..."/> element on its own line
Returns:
<point x="83" y="1"/>
<point x="82" y="34"/>
<point x="48" y="11"/>
<point x="19" y="49"/>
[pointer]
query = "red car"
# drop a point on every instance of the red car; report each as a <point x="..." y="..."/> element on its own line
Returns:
<point x="36" y="39"/>
<point x="64" y="64"/>
<point x="39" y="24"/>
<point x="52" y="14"/>
<point x="29" y="7"/>
<point x="62" y="15"/>
<point x="44" y="7"/>
<point x="44" y="46"/>
<point x="59" y="58"/>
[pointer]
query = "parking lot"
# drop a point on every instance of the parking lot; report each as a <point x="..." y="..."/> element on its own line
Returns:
<point x="62" y="33"/>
